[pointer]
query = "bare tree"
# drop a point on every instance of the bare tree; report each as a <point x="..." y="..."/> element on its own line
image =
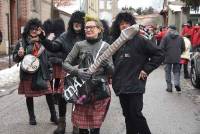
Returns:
<point x="192" y="3"/>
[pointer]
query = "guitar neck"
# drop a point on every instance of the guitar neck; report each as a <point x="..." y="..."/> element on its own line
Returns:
<point x="124" y="36"/>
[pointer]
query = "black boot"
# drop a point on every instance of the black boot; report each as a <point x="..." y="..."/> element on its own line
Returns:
<point x="95" y="131"/>
<point x="52" y="109"/>
<point x="61" y="126"/>
<point x="178" y="88"/>
<point x="75" y="130"/>
<point x="30" y="107"/>
<point x="83" y="131"/>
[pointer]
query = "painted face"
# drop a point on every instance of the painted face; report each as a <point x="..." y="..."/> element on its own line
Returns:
<point x="77" y="27"/>
<point x="33" y="31"/>
<point x="124" y="25"/>
<point x="91" y="30"/>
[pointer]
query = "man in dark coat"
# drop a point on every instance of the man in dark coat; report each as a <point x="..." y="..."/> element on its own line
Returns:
<point x="133" y="62"/>
<point x="173" y="46"/>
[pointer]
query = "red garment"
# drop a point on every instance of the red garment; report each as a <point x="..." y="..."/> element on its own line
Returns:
<point x="58" y="72"/>
<point x="90" y="116"/>
<point x="187" y="30"/>
<point x="36" y="48"/>
<point x="25" y="88"/>
<point x="196" y="36"/>
<point x="184" y="61"/>
<point x="161" y="34"/>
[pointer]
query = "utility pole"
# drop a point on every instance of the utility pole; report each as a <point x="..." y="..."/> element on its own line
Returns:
<point x="165" y="13"/>
<point x="114" y="8"/>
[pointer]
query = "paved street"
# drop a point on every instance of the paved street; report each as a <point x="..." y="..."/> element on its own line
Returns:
<point x="166" y="113"/>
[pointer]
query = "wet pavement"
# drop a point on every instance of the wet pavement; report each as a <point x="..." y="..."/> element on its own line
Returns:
<point x="166" y="113"/>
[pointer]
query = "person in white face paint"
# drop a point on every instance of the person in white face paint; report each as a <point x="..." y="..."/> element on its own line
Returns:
<point x="61" y="47"/>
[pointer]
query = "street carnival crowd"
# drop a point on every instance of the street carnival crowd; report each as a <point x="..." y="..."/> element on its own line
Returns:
<point x="72" y="51"/>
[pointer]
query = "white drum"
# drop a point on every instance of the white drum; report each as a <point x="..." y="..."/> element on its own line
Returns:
<point x="30" y="63"/>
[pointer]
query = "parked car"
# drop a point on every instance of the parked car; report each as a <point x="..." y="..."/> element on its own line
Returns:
<point x="195" y="68"/>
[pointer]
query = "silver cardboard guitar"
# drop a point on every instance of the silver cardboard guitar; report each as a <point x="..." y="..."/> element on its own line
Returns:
<point x="71" y="92"/>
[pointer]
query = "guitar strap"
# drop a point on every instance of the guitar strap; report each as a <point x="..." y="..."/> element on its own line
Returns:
<point x="102" y="45"/>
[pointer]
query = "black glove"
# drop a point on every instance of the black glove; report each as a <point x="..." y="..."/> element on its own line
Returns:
<point x="83" y="74"/>
<point x="107" y="66"/>
<point x="104" y="63"/>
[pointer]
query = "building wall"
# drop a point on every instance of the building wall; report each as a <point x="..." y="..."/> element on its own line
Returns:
<point x="19" y="12"/>
<point x="93" y="7"/>
<point x="4" y="25"/>
<point x="108" y="9"/>
<point x="45" y="10"/>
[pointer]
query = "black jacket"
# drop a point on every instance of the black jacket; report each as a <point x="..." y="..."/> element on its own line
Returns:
<point x="28" y="47"/>
<point x="135" y="55"/>
<point x="61" y="46"/>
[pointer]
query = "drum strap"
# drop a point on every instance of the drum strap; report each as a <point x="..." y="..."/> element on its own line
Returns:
<point x="42" y="48"/>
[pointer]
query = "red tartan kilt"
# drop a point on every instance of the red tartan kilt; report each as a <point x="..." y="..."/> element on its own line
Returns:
<point x="90" y="116"/>
<point x="25" y="88"/>
<point x="60" y="88"/>
<point x="58" y="72"/>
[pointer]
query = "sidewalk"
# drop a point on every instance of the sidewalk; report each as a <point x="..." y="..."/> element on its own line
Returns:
<point x="4" y="62"/>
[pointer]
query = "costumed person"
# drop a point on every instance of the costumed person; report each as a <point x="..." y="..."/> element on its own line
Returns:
<point x="61" y="47"/>
<point x="133" y="63"/>
<point x="89" y="117"/>
<point x="37" y="83"/>
<point x="53" y="29"/>
<point x="48" y="28"/>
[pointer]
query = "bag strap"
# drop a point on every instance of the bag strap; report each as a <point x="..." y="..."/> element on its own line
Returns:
<point x="42" y="48"/>
<point x="102" y="45"/>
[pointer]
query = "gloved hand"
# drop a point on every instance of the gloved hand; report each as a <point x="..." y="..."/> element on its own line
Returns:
<point x="107" y="66"/>
<point x="104" y="63"/>
<point x="83" y="74"/>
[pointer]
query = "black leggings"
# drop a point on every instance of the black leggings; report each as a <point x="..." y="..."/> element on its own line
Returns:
<point x="61" y="101"/>
<point x="61" y="106"/>
<point x="30" y="104"/>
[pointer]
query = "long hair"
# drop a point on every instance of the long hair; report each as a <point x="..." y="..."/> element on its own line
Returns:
<point x="58" y="26"/>
<point x="48" y="26"/>
<point x="106" y="30"/>
<point x="29" y="25"/>
<point x="122" y="16"/>
<point x="77" y="16"/>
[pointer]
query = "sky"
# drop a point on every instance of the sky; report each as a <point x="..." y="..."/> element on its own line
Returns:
<point x="156" y="4"/>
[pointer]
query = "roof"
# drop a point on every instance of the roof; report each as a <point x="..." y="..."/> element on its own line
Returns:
<point x="175" y="8"/>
